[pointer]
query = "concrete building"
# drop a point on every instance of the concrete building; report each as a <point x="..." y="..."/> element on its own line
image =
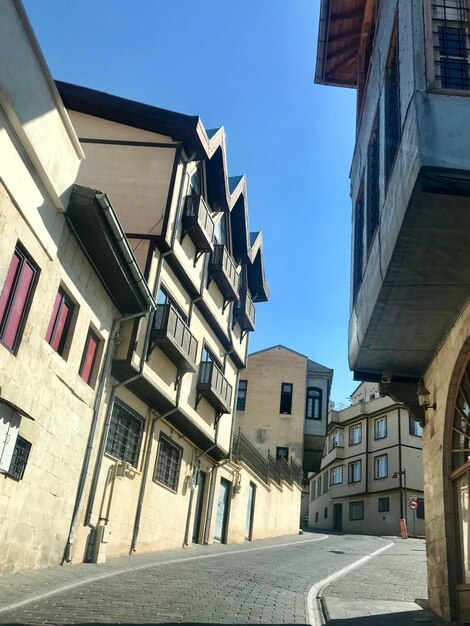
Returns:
<point x="372" y="469"/>
<point x="410" y="317"/>
<point x="282" y="407"/>
<point x="123" y="325"/>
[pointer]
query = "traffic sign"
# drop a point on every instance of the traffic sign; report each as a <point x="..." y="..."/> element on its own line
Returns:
<point x="413" y="504"/>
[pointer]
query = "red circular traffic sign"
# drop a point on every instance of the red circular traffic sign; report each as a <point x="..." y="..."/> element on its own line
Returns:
<point x="413" y="505"/>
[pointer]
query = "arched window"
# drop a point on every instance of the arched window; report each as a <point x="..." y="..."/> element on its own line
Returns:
<point x="313" y="408"/>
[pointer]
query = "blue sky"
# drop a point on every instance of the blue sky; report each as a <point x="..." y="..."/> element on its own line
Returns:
<point x="247" y="65"/>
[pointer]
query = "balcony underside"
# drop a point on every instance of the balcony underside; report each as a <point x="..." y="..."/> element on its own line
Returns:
<point x="212" y="396"/>
<point x="399" y="321"/>
<point x="313" y="452"/>
<point x="174" y="351"/>
<point x="161" y="403"/>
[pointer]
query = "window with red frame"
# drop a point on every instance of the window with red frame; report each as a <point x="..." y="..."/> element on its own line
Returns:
<point x="16" y="297"/>
<point x="89" y="358"/>
<point x="59" y="324"/>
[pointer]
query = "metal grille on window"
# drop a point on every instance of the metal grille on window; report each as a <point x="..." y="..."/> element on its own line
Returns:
<point x="373" y="187"/>
<point x="124" y="434"/>
<point x="19" y="458"/>
<point x="392" y="107"/>
<point x="451" y="22"/>
<point x="358" y="244"/>
<point x="167" y="468"/>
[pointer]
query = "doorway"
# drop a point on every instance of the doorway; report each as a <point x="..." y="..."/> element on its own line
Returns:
<point x="337" y="517"/>
<point x="222" y="511"/>
<point x="201" y="487"/>
<point x="250" y="512"/>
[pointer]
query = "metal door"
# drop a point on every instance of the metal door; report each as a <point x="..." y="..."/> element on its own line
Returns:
<point x="250" y="510"/>
<point x="337" y="517"/>
<point x="201" y="486"/>
<point x="222" y="511"/>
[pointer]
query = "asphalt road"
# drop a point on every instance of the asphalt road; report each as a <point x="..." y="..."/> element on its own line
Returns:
<point x="262" y="583"/>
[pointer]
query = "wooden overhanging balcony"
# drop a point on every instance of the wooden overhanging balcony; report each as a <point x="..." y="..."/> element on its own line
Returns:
<point x="198" y="223"/>
<point x="214" y="387"/>
<point x="174" y="338"/>
<point x="244" y="311"/>
<point x="222" y="269"/>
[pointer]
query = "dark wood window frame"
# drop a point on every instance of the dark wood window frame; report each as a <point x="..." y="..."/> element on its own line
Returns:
<point x="313" y="403"/>
<point x="285" y="406"/>
<point x="90" y="357"/>
<point x="241" y="394"/>
<point x="60" y="323"/>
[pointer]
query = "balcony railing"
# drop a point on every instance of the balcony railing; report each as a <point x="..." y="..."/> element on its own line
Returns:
<point x="174" y="338"/>
<point x="213" y="386"/>
<point x="198" y="223"/>
<point x="244" y="311"/>
<point x="265" y="468"/>
<point x="222" y="269"/>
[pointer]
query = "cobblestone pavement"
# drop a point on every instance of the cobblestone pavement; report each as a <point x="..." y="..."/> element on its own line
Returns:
<point x="203" y="584"/>
<point x="262" y="583"/>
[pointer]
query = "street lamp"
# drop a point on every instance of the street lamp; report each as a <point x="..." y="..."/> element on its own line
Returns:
<point x="403" y="509"/>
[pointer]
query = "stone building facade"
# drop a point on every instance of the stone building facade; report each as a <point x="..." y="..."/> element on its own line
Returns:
<point x="409" y="324"/>
<point x="372" y="469"/>
<point x="128" y="278"/>
<point x="282" y="408"/>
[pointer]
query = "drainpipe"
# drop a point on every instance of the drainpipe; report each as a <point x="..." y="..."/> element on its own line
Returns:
<point x="191" y="495"/>
<point x="143" y="484"/>
<point x="103" y="380"/>
<point x="101" y="451"/>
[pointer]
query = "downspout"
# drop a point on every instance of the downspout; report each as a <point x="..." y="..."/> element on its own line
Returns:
<point x="103" y="380"/>
<point x="143" y="483"/>
<point x="191" y="494"/>
<point x="123" y="383"/>
<point x="402" y="512"/>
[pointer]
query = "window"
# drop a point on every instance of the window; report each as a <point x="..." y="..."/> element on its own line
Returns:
<point x="164" y="298"/>
<point x="9" y="428"/>
<point x="354" y="471"/>
<point x="392" y="106"/>
<point x="241" y="394"/>
<point x="336" y="439"/>
<point x="420" y="509"/>
<point x="325" y="482"/>
<point x="19" y="458"/>
<point x="355" y="434"/>
<point x="451" y="43"/>
<point x="316" y="517"/>
<point x="59" y="324"/>
<point x="373" y="183"/>
<point x="89" y="358"/>
<point x="415" y="428"/>
<point x="380" y="428"/>
<point x="167" y="467"/>
<point x="16" y="297"/>
<point x="319" y="487"/>
<point x="381" y="466"/>
<point x="384" y="505"/>
<point x="325" y="512"/>
<point x="313" y="408"/>
<point x="282" y="453"/>
<point x="124" y="433"/>
<point x="312" y="489"/>
<point x="356" y="510"/>
<point x="358" y="242"/>
<point x="286" y="398"/>
<point x="336" y="475"/>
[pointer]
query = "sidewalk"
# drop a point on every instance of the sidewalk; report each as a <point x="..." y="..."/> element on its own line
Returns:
<point x="389" y="590"/>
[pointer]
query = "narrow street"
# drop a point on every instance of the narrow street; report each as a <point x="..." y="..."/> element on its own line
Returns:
<point x="265" y="582"/>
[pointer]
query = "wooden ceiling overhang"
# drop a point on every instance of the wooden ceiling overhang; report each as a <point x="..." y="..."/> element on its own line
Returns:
<point x="341" y="39"/>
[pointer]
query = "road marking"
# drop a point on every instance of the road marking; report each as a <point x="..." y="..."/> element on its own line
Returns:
<point x="314" y="610"/>
<point x="136" y="568"/>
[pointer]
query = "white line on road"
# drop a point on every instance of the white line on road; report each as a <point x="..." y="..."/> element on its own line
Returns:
<point x="315" y="613"/>
<point x="131" y="568"/>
